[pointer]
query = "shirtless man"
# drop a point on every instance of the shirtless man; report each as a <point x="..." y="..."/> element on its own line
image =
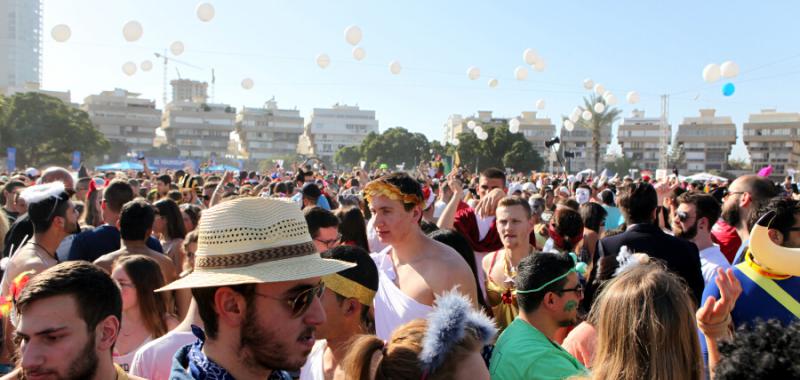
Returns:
<point x="135" y="226"/>
<point x="414" y="268"/>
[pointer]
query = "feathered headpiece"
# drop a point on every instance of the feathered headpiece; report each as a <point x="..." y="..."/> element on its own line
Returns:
<point x="447" y="326"/>
<point x="38" y="193"/>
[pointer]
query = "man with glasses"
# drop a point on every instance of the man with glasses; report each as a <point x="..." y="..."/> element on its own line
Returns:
<point x="257" y="284"/>
<point x="745" y="196"/>
<point x="548" y="294"/>
<point x="324" y="228"/>
<point x="695" y="215"/>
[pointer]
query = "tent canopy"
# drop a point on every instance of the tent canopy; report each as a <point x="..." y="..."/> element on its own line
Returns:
<point x="124" y="165"/>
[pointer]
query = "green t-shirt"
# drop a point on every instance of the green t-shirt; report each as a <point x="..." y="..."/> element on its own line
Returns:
<point x="523" y="353"/>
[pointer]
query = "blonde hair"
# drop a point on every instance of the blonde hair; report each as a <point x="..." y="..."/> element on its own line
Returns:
<point x="646" y="328"/>
<point x="399" y="357"/>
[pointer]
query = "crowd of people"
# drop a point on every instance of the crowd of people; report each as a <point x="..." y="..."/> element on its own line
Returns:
<point x="317" y="275"/>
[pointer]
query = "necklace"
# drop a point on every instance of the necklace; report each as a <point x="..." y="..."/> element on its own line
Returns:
<point x="52" y="256"/>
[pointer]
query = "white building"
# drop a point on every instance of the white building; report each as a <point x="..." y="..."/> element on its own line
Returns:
<point x="639" y="138"/>
<point x="267" y="132"/>
<point x="579" y="143"/>
<point x="20" y="43"/>
<point x="124" y="118"/>
<point x="330" y="129"/>
<point x="706" y="141"/>
<point x="198" y="130"/>
<point x="773" y="138"/>
<point x="189" y="90"/>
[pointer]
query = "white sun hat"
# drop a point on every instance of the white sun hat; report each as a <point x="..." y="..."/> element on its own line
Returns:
<point x="254" y="240"/>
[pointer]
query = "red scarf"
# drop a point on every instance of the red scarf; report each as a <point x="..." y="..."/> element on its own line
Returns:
<point x="558" y="240"/>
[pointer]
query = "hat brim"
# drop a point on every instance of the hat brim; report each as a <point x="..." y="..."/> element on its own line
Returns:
<point x="292" y="269"/>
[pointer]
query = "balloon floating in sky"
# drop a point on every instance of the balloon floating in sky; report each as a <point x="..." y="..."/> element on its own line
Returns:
<point x="323" y="61"/>
<point x="540" y="104"/>
<point x="455" y="141"/>
<point x="483" y="136"/>
<point x="588" y="83"/>
<point x="540" y="65"/>
<point x="146" y="65"/>
<point x="471" y="124"/>
<point x="521" y="73"/>
<point x="599" y="107"/>
<point x="728" y="89"/>
<point x="473" y="73"/>
<point x="569" y="125"/>
<point x="353" y="35"/>
<point x="61" y="33"/>
<point x="132" y="31"/>
<point x="492" y="83"/>
<point x="394" y="67"/>
<point x="586" y="115"/>
<point x="599" y="89"/>
<point x="711" y="73"/>
<point x="513" y="125"/>
<point x="729" y="69"/>
<point x="129" y="68"/>
<point x="247" y="83"/>
<point x="530" y="56"/>
<point x="359" y="53"/>
<point x="632" y="97"/>
<point x="176" y="48"/>
<point x="478" y="130"/>
<point x="611" y="99"/>
<point x="205" y="12"/>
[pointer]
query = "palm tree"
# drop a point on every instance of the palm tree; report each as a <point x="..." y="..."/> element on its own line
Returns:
<point x="599" y="121"/>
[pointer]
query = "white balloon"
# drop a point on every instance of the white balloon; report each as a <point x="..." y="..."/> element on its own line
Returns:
<point x="478" y="130"/>
<point x="611" y="100"/>
<point x="711" y="73"/>
<point x="599" y="107"/>
<point x="513" y="128"/>
<point x="513" y="123"/>
<point x="394" y="67"/>
<point x="483" y="136"/>
<point x="61" y="33"/>
<point x="599" y="89"/>
<point x="146" y="65"/>
<point x="492" y="83"/>
<point x="586" y="115"/>
<point x="132" y="31"/>
<point x="176" y="48"/>
<point x="247" y="83"/>
<point x="574" y="118"/>
<point x="577" y="111"/>
<point x="607" y="94"/>
<point x="632" y="97"/>
<point x="353" y="35"/>
<point x="205" y="12"/>
<point x="540" y="65"/>
<point x="455" y="141"/>
<point x="729" y="69"/>
<point x="471" y="124"/>
<point x="473" y="73"/>
<point x="129" y="68"/>
<point x="323" y="60"/>
<point x="521" y="73"/>
<point x="540" y="104"/>
<point x="359" y="53"/>
<point x="443" y="143"/>
<point x="530" y="56"/>
<point x="588" y="83"/>
<point x="569" y="125"/>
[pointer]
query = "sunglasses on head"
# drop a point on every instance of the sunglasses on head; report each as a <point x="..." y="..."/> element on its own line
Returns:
<point x="302" y="301"/>
<point x="682" y="216"/>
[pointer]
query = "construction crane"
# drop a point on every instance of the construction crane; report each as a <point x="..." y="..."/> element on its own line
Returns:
<point x="664" y="134"/>
<point x="166" y="61"/>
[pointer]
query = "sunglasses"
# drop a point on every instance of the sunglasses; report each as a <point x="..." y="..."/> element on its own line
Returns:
<point x="302" y="301"/>
<point x="682" y="216"/>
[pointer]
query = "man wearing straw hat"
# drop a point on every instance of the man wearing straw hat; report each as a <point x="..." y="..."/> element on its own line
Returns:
<point x="257" y="283"/>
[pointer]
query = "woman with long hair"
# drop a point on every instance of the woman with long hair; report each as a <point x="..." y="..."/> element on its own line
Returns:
<point x="352" y="227"/>
<point x="565" y="231"/>
<point x="594" y="219"/>
<point x="92" y="215"/>
<point x="144" y="312"/>
<point x="191" y="216"/>
<point x="169" y="228"/>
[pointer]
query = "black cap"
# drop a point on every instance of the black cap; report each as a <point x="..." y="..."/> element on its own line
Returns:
<point x="311" y="190"/>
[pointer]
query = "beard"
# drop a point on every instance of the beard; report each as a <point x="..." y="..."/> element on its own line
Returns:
<point x="732" y="215"/>
<point x="685" y="234"/>
<point x="84" y="366"/>
<point x="259" y="347"/>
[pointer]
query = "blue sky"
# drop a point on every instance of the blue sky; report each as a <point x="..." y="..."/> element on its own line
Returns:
<point x="648" y="46"/>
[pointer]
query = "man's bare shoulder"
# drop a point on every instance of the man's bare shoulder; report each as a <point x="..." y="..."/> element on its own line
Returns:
<point x="107" y="260"/>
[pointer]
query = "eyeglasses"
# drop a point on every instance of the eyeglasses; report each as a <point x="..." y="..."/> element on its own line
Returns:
<point x="302" y="301"/>
<point x="331" y="242"/>
<point x="578" y="289"/>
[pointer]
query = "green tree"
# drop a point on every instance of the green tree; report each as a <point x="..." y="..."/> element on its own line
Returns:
<point x="348" y="156"/>
<point x="46" y="131"/>
<point x="395" y="146"/>
<point x="621" y="165"/>
<point x="599" y="121"/>
<point x="502" y="149"/>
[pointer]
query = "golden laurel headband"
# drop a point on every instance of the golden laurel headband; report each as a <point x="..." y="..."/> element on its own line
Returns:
<point x="378" y="187"/>
<point x="348" y="288"/>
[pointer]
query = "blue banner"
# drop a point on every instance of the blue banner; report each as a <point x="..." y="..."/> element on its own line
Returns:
<point x="76" y="160"/>
<point x="11" y="160"/>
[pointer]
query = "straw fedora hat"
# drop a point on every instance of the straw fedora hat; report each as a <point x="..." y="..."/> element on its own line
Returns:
<point x="254" y="240"/>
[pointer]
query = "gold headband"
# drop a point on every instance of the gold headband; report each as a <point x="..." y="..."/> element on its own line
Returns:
<point x="378" y="187"/>
<point x="346" y="287"/>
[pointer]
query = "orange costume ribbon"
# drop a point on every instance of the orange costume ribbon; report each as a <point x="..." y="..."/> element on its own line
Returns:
<point x="14" y="290"/>
<point x="381" y="188"/>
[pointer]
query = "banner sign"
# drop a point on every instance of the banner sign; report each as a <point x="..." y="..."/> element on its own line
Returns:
<point x="11" y="160"/>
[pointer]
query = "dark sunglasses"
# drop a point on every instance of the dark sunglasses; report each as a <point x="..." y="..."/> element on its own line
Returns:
<point x="302" y="301"/>
<point x="682" y="216"/>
